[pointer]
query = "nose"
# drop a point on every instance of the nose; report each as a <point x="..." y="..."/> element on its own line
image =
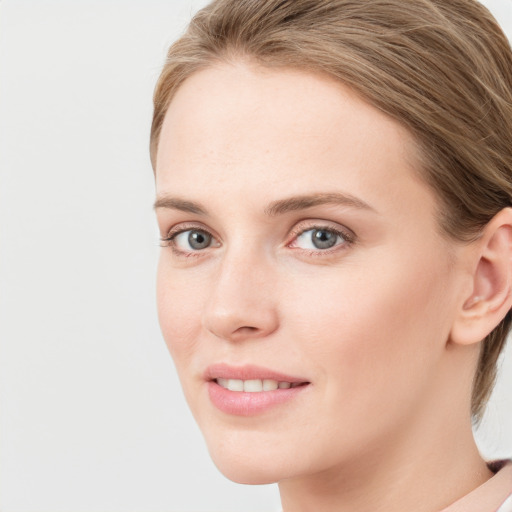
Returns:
<point x="241" y="304"/>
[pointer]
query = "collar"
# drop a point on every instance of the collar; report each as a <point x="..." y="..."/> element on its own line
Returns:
<point x="495" y="495"/>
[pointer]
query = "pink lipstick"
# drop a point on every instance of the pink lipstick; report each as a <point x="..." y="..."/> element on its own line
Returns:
<point x="250" y="390"/>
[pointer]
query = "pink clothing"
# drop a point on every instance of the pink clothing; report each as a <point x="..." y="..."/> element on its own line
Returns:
<point x="493" y="496"/>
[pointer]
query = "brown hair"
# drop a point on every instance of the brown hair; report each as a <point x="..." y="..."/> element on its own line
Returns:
<point x="442" y="68"/>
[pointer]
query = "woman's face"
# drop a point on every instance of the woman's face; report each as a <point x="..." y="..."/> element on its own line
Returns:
<point x="301" y="251"/>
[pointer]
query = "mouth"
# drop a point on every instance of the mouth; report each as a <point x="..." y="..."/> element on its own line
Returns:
<point x="256" y="385"/>
<point x="251" y="390"/>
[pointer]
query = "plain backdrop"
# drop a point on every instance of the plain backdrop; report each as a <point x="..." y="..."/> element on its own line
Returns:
<point x="91" y="413"/>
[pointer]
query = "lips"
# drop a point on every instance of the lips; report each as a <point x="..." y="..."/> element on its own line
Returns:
<point x="250" y="390"/>
<point x="248" y="372"/>
<point x="255" y="385"/>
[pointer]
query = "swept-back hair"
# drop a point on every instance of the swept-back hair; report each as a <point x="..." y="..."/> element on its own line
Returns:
<point x="443" y="69"/>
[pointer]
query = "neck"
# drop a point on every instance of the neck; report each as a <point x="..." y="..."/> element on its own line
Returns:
<point x="425" y="470"/>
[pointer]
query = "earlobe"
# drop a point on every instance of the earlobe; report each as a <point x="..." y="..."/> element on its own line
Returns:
<point x="491" y="293"/>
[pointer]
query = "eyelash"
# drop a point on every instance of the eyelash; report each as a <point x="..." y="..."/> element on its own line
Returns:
<point x="347" y="236"/>
<point x="170" y="240"/>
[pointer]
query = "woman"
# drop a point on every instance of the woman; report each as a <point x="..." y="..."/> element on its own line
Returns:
<point x="334" y="192"/>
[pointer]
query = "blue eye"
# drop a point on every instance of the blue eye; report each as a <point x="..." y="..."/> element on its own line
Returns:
<point x="319" y="238"/>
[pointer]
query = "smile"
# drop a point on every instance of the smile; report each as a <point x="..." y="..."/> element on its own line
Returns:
<point x="251" y="390"/>
<point x="256" y="385"/>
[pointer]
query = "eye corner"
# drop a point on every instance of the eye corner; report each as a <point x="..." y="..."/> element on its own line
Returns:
<point x="189" y="240"/>
<point x="320" y="238"/>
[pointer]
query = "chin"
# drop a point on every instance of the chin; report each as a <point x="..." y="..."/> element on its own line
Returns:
<point x="245" y="470"/>
<point x="251" y="459"/>
<point x="247" y="474"/>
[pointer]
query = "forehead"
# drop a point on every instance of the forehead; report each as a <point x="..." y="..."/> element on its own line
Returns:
<point x="255" y="128"/>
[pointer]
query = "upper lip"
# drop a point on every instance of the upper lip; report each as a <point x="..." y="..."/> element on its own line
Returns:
<point x="248" y="372"/>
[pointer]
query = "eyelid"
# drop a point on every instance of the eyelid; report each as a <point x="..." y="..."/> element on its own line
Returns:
<point x="308" y="225"/>
<point x="183" y="227"/>
<point x="299" y="228"/>
<point x="305" y="225"/>
<point x="186" y="226"/>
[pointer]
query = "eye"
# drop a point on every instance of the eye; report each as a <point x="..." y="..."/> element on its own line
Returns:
<point x="319" y="238"/>
<point x="190" y="240"/>
<point x="193" y="239"/>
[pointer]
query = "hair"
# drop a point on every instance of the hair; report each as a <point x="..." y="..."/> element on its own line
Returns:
<point x="443" y="69"/>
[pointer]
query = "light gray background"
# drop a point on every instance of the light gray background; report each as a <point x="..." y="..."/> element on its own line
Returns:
<point x="91" y="414"/>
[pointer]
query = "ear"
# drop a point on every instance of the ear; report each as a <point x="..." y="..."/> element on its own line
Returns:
<point x="490" y="296"/>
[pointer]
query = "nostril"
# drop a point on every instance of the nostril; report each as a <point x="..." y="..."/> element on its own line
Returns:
<point x="247" y="328"/>
<point x="236" y="320"/>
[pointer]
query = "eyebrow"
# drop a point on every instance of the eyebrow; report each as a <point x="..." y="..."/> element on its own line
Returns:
<point x="275" y="208"/>
<point x="308" y="201"/>
<point x="175" y="203"/>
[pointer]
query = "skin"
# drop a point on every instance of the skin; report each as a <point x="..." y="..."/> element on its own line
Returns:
<point x="379" y="325"/>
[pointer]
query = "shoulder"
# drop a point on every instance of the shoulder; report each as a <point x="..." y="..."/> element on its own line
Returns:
<point x="503" y="469"/>
<point x="506" y="505"/>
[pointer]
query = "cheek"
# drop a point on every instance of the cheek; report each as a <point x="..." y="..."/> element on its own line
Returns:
<point x="374" y="336"/>
<point x="179" y="307"/>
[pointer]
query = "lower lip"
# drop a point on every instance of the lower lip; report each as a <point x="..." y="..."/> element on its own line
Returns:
<point x="241" y="403"/>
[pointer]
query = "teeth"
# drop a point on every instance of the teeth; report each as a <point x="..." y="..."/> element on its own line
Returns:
<point x="270" y="385"/>
<point x="235" y="385"/>
<point x="255" y="385"/>
<point x="223" y="383"/>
